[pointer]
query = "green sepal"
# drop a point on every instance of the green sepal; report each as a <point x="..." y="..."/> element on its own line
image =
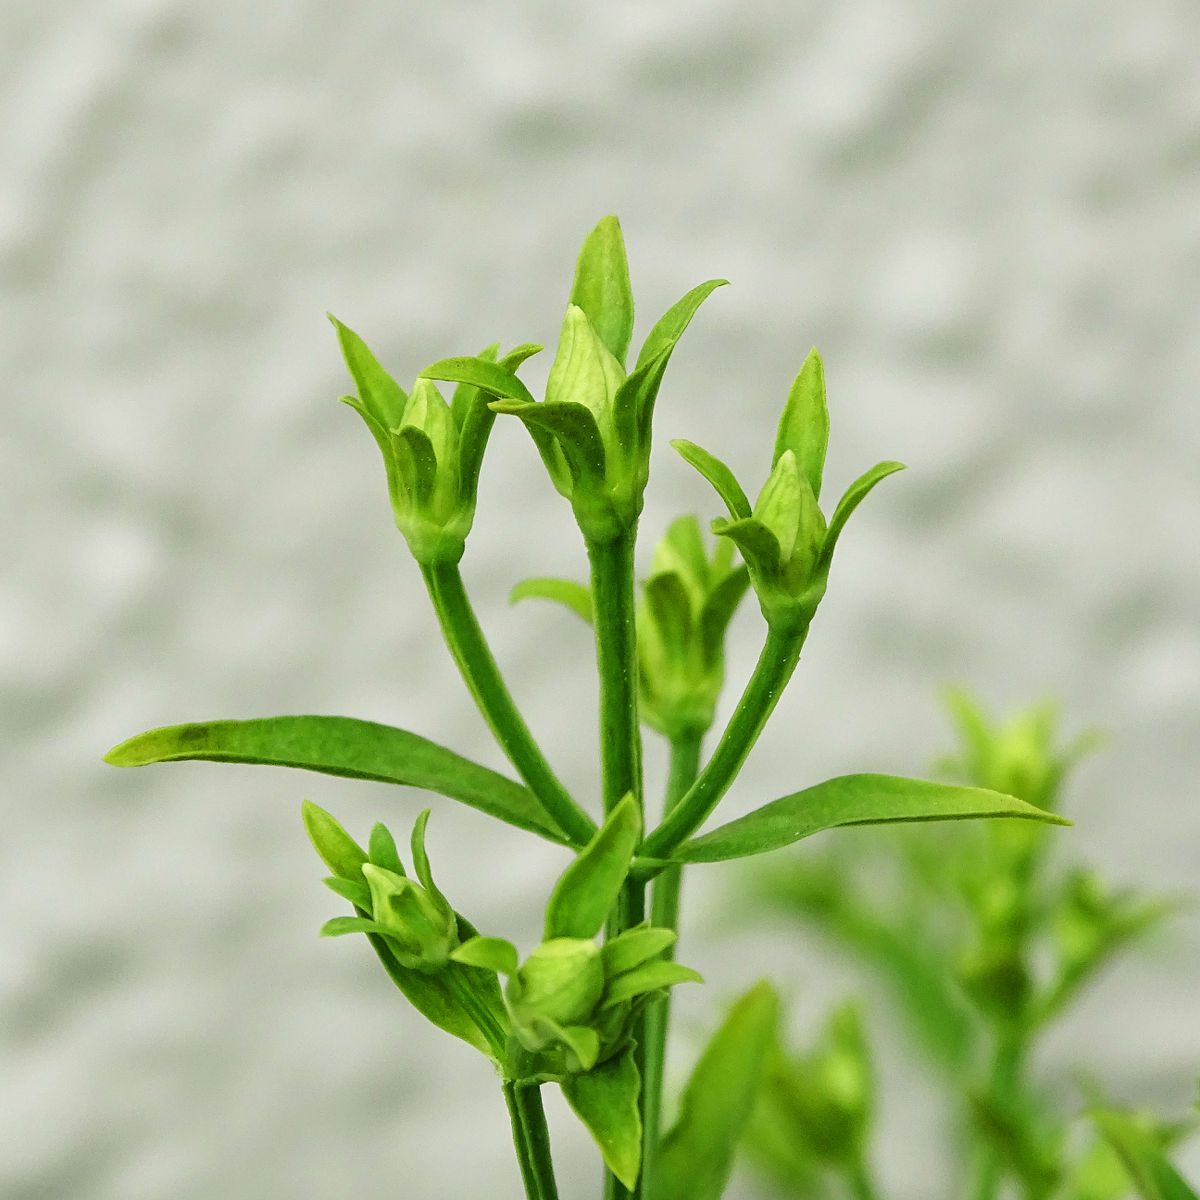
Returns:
<point x="670" y="327"/>
<point x="852" y="800"/>
<point x="804" y="426"/>
<point x="756" y="543"/>
<point x="717" y="474"/>
<point x="421" y="859"/>
<point x="337" y="849"/>
<point x="346" y="747"/>
<point x="488" y="953"/>
<point x="490" y="377"/>
<point x="855" y="494"/>
<point x="356" y="892"/>
<point x="340" y="926"/>
<point x="574" y="428"/>
<point x="602" y="288"/>
<point x="697" y="1153"/>
<point x="382" y="849"/>
<point x="605" y="1099"/>
<point x="379" y="395"/>
<point x="581" y="1041"/>
<point x="649" y="977"/>
<point x="634" y="947"/>
<point x="670" y="608"/>
<point x="575" y="596"/>
<point x="588" y="888"/>
<point x="718" y="610"/>
<point x="1152" y="1173"/>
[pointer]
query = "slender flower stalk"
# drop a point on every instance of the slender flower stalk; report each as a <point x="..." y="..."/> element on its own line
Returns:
<point x="482" y="676"/>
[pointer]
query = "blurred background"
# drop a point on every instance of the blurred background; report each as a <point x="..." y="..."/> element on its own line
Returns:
<point x="988" y="218"/>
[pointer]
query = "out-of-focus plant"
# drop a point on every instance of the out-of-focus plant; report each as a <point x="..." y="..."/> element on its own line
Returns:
<point x="591" y="1017"/>
<point x="983" y="944"/>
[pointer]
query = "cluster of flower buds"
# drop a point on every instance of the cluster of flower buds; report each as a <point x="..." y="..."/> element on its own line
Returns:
<point x="593" y="428"/>
<point x="686" y="605"/>
<point x="814" y="1109"/>
<point x="432" y="450"/>
<point x="572" y="1004"/>
<point x="784" y="538"/>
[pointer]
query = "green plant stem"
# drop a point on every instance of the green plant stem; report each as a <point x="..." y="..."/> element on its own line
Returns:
<point x="780" y="653"/>
<point x="483" y="679"/>
<point x="620" y="733"/>
<point x="664" y="913"/>
<point x="1003" y="1082"/>
<point x="531" y="1139"/>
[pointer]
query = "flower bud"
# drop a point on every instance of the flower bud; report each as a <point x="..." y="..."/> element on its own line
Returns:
<point x="562" y="981"/>
<point x="423" y="930"/>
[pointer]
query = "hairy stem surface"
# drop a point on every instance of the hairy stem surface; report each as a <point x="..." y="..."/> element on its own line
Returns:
<point x="482" y="676"/>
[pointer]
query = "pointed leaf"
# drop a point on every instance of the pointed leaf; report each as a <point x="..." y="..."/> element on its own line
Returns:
<point x="384" y="442"/>
<point x="487" y="376"/>
<point x="718" y="474"/>
<point x="588" y="888"/>
<point x="382" y="850"/>
<point x="575" y="596"/>
<point x="340" y="926"/>
<point x="856" y="493"/>
<point x="804" y="426"/>
<point x="574" y="428"/>
<point x="489" y="954"/>
<point x="649" y="977"/>
<point x="356" y="892"/>
<point x="380" y="395"/>
<point x="669" y="328"/>
<point x="602" y="287"/>
<point x="605" y="1099"/>
<point x="697" y="1153"/>
<point x="853" y="800"/>
<point x="348" y="747"/>
<point x="1153" y="1175"/>
<point x="338" y="850"/>
<point x="421" y="859"/>
<point x="634" y="947"/>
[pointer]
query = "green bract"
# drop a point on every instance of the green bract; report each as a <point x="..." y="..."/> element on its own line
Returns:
<point x="784" y="537"/>
<point x="593" y="428"/>
<point x="432" y="450"/>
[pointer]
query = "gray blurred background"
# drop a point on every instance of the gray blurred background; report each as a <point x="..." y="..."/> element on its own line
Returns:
<point x="987" y="217"/>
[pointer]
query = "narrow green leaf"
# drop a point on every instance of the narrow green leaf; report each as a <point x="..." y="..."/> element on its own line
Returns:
<point x="605" y="1099"/>
<point x="649" y="977"/>
<point x="634" y="947"/>
<point x="804" y="426"/>
<point x="488" y="953"/>
<point x="487" y="376"/>
<point x="697" y="1153"/>
<point x="340" y="926"/>
<point x="1153" y="1175"/>
<point x="602" y="287"/>
<point x="669" y="328"/>
<point x="338" y="850"/>
<point x="853" y="800"/>
<point x="588" y="888"/>
<point x="356" y="892"/>
<point x="348" y="747"/>
<point x="382" y="850"/>
<point x="384" y="442"/>
<point x="856" y="493"/>
<point x="421" y="859"/>
<point x="378" y="392"/>
<point x="574" y="428"/>
<point x="718" y="474"/>
<point x="575" y="596"/>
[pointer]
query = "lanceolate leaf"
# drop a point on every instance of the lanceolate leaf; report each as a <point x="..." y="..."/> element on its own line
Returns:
<point x="718" y="474"/>
<point x="575" y="596"/>
<point x="697" y="1153"/>
<point x="852" y="800"/>
<point x="856" y="493"/>
<point x="606" y="1100"/>
<point x="1153" y="1175"/>
<point x="602" y="287"/>
<point x="649" y="977"/>
<point x="487" y="376"/>
<point x="378" y="392"/>
<point x="588" y="888"/>
<point x="348" y="747"/>
<point x="668" y="329"/>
